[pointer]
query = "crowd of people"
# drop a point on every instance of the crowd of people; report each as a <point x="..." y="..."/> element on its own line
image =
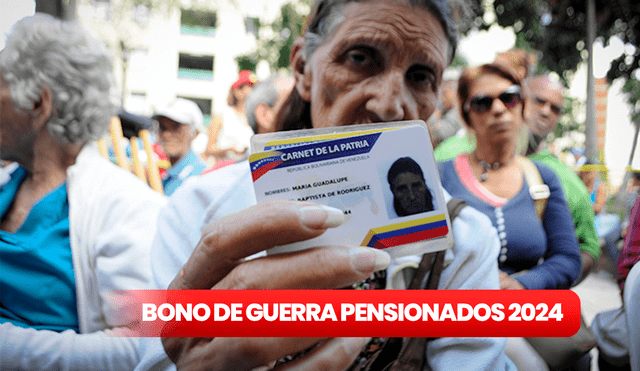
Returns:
<point x="77" y="228"/>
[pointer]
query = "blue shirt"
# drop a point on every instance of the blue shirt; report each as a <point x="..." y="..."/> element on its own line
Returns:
<point x="37" y="284"/>
<point x="189" y="165"/>
<point x="547" y="250"/>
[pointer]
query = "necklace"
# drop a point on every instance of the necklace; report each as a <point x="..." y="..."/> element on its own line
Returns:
<point x="486" y="167"/>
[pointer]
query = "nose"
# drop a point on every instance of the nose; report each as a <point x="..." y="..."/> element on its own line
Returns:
<point x="412" y="194"/>
<point x="390" y="99"/>
<point x="498" y="107"/>
<point x="546" y="109"/>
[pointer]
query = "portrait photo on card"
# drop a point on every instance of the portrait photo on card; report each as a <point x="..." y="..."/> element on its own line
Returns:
<point x="408" y="186"/>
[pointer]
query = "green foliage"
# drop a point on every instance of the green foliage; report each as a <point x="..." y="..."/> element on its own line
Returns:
<point x="198" y="18"/>
<point x="569" y="121"/>
<point x="470" y="16"/>
<point x="288" y="27"/>
<point x="247" y="62"/>
<point x="557" y="28"/>
<point x="525" y="17"/>
<point x="275" y="39"/>
<point x="632" y="90"/>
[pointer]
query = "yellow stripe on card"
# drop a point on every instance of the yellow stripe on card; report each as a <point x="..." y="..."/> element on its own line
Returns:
<point x="262" y="155"/>
<point x="407" y="224"/>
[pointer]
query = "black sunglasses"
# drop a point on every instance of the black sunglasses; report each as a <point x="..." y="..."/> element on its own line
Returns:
<point x="482" y="103"/>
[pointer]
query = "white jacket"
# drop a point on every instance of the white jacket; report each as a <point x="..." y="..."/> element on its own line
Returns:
<point x="112" y="221"/>
<point x="471" y="264"/>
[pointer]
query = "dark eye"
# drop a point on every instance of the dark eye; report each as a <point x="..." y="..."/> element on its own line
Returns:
<point x="420" y="75"/>
<point x="358" y="58"/>
<point x="363" y="58"/>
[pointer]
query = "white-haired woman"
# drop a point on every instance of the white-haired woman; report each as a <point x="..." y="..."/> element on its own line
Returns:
<point x="73" y="226"/>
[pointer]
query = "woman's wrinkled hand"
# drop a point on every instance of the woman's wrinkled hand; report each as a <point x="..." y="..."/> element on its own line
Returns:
<point x="218" y="262"/>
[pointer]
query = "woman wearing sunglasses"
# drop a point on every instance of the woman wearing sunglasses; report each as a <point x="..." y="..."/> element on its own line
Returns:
<point x="536" y="253"/>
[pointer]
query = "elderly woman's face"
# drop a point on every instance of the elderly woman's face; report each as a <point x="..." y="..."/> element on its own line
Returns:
<point x="501" y="119"/>
<point x="384" y="62"/>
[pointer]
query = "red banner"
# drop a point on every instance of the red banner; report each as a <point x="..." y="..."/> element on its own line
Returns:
<point x="353" y="313"/>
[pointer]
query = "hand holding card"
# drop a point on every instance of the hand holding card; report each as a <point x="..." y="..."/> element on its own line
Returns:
<point x="383" y="177"/>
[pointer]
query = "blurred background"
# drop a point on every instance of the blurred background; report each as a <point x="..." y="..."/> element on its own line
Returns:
<point x="194" y="49"/>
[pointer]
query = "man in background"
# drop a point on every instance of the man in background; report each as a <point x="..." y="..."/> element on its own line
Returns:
<point x="263" y="103"/>
<point x="178" y="125"/>
<point x="543" y="106"/>
<point x="445" y="122"/>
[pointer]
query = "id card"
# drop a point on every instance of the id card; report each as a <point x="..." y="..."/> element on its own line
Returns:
<point x="383" y="177"/>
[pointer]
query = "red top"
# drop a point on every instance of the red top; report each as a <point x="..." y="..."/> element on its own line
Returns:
<point x="630" y="253"/>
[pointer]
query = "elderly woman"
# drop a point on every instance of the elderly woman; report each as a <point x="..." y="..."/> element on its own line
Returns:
<point x="73" y="224"/>
<point x="538" y="251"/>
<point x="359" y="62"/>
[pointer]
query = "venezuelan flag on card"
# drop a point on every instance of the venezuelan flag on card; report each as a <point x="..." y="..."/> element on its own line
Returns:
<point x="382" y="176"/>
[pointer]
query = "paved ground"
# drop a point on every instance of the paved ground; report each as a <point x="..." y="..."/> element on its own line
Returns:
<point x="598" y="292"/>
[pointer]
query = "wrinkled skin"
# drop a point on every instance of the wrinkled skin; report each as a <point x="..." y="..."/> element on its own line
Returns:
<point x="384" y="62"/>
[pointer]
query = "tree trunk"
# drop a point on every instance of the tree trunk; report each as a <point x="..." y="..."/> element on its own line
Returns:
<point x="590" y="143"/>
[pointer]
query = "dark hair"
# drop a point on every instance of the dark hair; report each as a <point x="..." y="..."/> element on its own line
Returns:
<point x="470" y="75"/>
<point x="403" y="165"/>
<point x="407" y="165"/>
<point x="295" y="113"/>
<point x="523" y="62"/>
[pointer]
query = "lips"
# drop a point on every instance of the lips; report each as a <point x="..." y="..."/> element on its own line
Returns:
<point x="500" y="126"/>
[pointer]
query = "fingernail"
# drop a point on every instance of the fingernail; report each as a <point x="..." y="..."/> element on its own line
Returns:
<point x="365" y="259"/>
<point x="321" y="216"/>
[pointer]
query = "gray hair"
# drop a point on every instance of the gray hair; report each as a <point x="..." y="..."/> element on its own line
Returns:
<point x="264" y="92"/>
<point x="326" y="16"/>
<point x="41" y="50"/>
